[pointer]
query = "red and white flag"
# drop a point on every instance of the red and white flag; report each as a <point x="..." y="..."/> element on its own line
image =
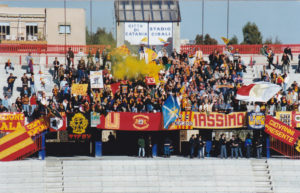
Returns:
<point x="258" y="92"/>
<point x="150" y="81"/>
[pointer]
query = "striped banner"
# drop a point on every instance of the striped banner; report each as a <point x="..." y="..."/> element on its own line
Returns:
<point x="184" y="121"/>
<point x="15" y="145"/>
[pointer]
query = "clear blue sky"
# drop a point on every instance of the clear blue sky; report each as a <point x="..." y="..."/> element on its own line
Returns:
<point x="276" y="18"/>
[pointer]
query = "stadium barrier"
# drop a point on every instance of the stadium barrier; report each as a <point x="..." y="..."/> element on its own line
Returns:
<point x="284" y="149"/>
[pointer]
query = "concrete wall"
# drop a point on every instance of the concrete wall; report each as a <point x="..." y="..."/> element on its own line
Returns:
<point x="75" y="18"/>
<point x="120" y="33"/>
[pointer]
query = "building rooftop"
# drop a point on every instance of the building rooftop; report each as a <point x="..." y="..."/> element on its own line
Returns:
<point x="147" y="10"/>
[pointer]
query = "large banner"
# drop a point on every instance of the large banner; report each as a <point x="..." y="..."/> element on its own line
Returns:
<point x="256" y="121"/>
<point x="79" y="126"/>
<point x="184" y="121"/>
<point x="79" y="89"/>
<point x="96" y="79"/>
<point x="131" y="121"/>
<point x="159" y="33"/>
<point x="219" y="120"/>
<point x="281" y="131"/>
<point x="10" y="122"/>
<point x="57" y="124"/>
<point x="135" y="32"/>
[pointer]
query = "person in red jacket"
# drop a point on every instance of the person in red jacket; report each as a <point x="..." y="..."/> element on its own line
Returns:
<point x="33" y="102"/>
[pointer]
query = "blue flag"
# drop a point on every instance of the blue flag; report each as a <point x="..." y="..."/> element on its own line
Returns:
<point x="170" y="111"/>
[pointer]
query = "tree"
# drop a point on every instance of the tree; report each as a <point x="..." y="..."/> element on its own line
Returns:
<point x="207" y="40"/>
<point x="268" y="41"/>
<point x="277" y="40"/>
<point x="199" y="40"/>
<point x="101" y="37"/>
<point x="251" y="34"/>
<point x="234" y="40"/>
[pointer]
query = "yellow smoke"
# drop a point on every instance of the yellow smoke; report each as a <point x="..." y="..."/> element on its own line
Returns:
<point x="129" y="67"/>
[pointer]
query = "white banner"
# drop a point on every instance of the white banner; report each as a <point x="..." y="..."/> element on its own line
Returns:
<point x="159" y="33"/>
<point x="136" y="32"/>
<point x="96" y="79"/>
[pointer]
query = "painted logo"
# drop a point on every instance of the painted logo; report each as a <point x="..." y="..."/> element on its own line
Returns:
<point x="140" y="122"/>
<point x="79" y="123"/>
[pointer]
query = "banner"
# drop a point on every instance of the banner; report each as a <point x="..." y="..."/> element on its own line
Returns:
<point x="136" y="32"/>
<point x="96" y="79"/>
<point x="159" y="33"/>
<point x="131" y="121"/>
<point x="79" y="126"/>
<point x="10" y="122"/>
<point x="79" y="89"/>
<point x="219" y="120"/>
<point x="281" y="131"/>
<point x="184" y="121"/>
<point x="150" y="80"/>
<point x="296" y="119"/>
<point x="285" y="117"/>
<point x="256" y="121"/>
<point x="36" y="127"/>
<point x="15" y="145"/>
<point x="95" y="119"/>
<point x="60" y="124"/>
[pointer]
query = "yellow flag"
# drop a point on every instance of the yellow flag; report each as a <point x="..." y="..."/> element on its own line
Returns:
<point x="144" y="40"/>
<point x="225" y="40"/>
<point x="151" y="55"/>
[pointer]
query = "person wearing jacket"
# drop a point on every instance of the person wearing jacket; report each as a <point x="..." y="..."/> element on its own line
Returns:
<point x="200" y="146"/>
<point x="248" y="144"/>
<point x="192" y="143"/>
<point x="141" y="145"/>
<point x="223" y="149"/>
<point x="259" y="145"/>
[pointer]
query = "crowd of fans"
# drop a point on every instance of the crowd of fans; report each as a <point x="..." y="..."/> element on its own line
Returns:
<point x="200" y="85"/>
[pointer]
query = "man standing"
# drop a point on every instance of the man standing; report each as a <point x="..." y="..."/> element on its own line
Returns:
<point x="70" y="57"/>
<point x="28" y="60"/>
<point x="259" y="146"/>
<point x="192" y="146"/>
<point x="56" y="66"/>
<point x="285" y="63"/>
<point x="141" y="144"/>
<point x="200" y="145"/>
<point x="149" y="147"/>
<point x="97" y="55"/>
<point x="11" y="80"/>
<point x="271" y="58"/>
<point x="234" y="146"/>
<point x="24" y="80"/>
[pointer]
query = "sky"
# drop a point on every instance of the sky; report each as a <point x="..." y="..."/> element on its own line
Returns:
<point x="274" y="19"/>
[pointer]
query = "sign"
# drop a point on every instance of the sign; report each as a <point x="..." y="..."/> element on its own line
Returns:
<point x="281" y="131"/>
<point x="96" y="79"/>
<point x="256" y="120"/>
<point x="285" y="117"/>
<point x="150" y="80"/>
<point x="159" y="33"/>
<point x="135" y="32"/>
<point x="219" y="120"/>
<point x="296" y="119"/>
<point x="131" y="121"/>
<point x="36" y="127"/>
<point x="79" y="89"/>
<point x="184" y="121"/>
<point x="10" y="122"/>
<point x="79" y="126"/>
<point x="95" y="119"/>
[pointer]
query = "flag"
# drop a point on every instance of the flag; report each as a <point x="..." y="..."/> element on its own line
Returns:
<point x="16" y="145"/>
<point x="150" y="80"/>
<point x="164" y="42"/>
<point x="257" y="92"/>
<point x="170" y="111"/>
<point x="150" y="55"/>
<point x="144" y="40"/>
<point x="114" y="87"/>
<point x="225" y="40"/>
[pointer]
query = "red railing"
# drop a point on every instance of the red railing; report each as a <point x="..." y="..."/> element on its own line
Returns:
<point x="284" y="149"/>
<point x="243" y="49"/>
<point x="38" y="143"/>
<point x="48" y="49"/>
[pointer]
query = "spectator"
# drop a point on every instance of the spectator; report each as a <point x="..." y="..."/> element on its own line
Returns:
<point x="141" y="145"/>
<point x="11" y="80"/>
<point x="9" y="66"/>
<point x="167" y="147"/>
<point x="200" y="147"/>
<point x="192" y="143"/>
<point x="223" y="149"/>
<point x="149" y="147"/>
<point x="234" y="147"/>
<point x="56" y="66"/>
<point x="288" y="51"/>
<point x="248" y="144"/>
<point x="259" y="146"/>
<point x="285" y="63"/>
<point x="70" y="57"/>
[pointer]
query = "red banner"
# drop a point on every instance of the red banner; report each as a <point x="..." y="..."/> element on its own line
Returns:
<point x="63" y="123"/>
<point x="219" y="120"/>
<point x="36" y="127"/>
<point x="281" y="131"/>
<point x="131" y="121"/>
<point x="10" y="122"/>
<point x="184" y="121"/>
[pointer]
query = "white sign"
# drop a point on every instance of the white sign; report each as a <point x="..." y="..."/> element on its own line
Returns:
<point x="96" y="79"/>
<point x="136" y="32"/>
<point x="159" y="33"/>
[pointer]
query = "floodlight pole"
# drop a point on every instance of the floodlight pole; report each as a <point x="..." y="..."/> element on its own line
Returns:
<point x="227" y="19"/>
<point x="91" y="19"/>
<point x="202" y="19"/>
<point x="65" y="16"/>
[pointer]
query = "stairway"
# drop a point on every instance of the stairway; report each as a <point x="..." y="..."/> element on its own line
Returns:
<point x="262" y="177"/>
<point x="54" y="176"/>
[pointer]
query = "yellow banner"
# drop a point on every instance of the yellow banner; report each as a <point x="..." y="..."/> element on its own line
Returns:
<point x="79" y="89"/>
